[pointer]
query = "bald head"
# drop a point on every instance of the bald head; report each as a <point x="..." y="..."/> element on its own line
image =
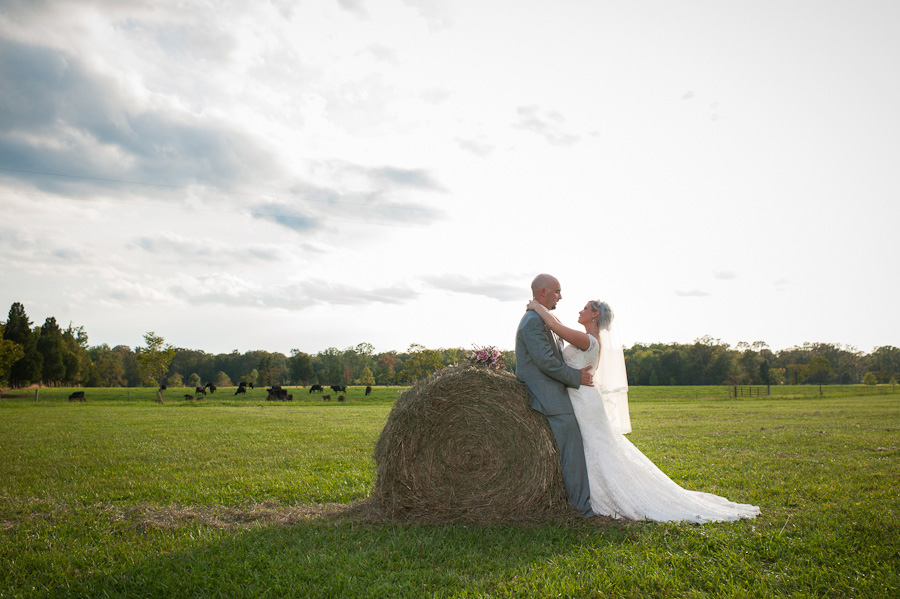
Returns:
<point x="546" y="290"/>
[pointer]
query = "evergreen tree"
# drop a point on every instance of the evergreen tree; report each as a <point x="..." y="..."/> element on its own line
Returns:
<point x="26" y="369"/>
<point x="50" y="344"/>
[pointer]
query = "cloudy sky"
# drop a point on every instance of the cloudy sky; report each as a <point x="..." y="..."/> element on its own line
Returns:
<point x="314" y="174"/>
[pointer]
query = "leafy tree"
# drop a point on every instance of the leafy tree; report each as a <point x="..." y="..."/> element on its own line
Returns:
<point x="884" y="362"/>
<point x="367" y="377"/>
<point x="300" y="366"/>
<point x="129" y="362"/>
<point x="795" y="374"/>
<point x="421" y="363"/>
<point x="193" y="380"/>
<point x="222" y="380"/>
<point x="818" y="370"/>
<point x="108" y="368"/>
<point x="10" y="353"/>
<point x="776" y="376"/>
<point x="189" y="360"/>
<point x="385" y="371"/>
<point x="154" y="359"/>
<point x="76" y="357"/>
<point x="332" y="366"/>
<point x="510" y="358"/>
<point x="355" y="359"/>
<point x="870" y="379"/>
<point x="253" y="377"/>
<point x="175" y="380"/>
<point x="50" y="344"/>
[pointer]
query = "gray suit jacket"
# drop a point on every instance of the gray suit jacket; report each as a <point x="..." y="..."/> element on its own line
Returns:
<point x="540" y="366"/>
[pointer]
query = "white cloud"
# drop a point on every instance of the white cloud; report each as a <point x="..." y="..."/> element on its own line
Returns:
<point x="546" y="123"/>
<point x="482" y="286"/>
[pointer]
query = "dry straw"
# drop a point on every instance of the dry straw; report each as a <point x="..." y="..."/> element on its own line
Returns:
<point x="464" y="445"/>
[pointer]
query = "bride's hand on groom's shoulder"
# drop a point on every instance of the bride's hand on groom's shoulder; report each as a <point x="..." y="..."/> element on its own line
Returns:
<point x="531" y="305"/>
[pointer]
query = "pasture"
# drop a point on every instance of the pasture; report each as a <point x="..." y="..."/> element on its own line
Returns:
<point x="234" y="496"/>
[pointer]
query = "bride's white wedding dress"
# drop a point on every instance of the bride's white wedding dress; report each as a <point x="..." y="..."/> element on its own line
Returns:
<point x="624" y="483"/>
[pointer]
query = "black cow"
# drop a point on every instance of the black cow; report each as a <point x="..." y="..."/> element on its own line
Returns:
<point x="200" y="391"/>
<point x="339" y="388"/>
<point x="368" y="389"/>
<point x="188" y="397"/>
<point x="241" y="389"/>
<point x="326" y="398"/>
<point x="162" y="387"/>
<point x="340" y="398"/>
<point x="277" y="393"/>
<point x="77" y="396"/>
<point x="211" y="387"/>
<point x="318" y="388"/>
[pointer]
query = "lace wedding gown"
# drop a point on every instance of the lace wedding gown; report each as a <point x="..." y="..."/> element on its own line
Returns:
<point x="624" y="483"/>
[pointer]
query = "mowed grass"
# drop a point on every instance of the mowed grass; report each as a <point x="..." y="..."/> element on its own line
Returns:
<point x="239" y="497"/>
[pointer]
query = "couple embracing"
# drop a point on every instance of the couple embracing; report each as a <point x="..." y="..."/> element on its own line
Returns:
<point x="582" y="390"/>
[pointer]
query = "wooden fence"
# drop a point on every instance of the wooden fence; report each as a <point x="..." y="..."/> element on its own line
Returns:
<point x="751" y="391"/>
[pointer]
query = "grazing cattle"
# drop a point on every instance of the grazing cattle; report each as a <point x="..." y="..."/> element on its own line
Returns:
<point x="368" y="389"/>
<point x="326" y="398"/>
<point x="200" y="391"/>
<point x="340" y="398"/>
<point x="241" y="389"/>
<point x="250" y="385"/>
<point x="77" y="396"/>
<point x="339" y="388"/>
<point x="211" y="387"/>
<point x="162" y="387"/>
<point x="318" y="388"/>
<point x="277" y="393"/>
<point x="188" y="397"/>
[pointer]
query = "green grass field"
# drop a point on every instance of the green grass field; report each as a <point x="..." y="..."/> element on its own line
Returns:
<point x="238" y="497"/>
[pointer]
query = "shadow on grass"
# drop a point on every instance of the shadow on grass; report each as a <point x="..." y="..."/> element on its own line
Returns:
<point x="334" y="553"/>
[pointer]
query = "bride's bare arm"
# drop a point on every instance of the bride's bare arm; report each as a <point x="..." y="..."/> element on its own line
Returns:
<point x="579" y="339"/>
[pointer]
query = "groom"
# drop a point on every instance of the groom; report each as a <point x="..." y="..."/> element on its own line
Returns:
<point x="540" y="366"/>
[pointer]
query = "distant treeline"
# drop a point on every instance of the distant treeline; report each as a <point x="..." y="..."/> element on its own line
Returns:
<point x="52" y="356"/>
<point x="709" y="361"/>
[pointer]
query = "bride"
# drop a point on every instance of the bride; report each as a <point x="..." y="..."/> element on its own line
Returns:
<point x="624" y="483"/>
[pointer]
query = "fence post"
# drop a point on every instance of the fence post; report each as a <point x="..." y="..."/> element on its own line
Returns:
<point x="35" y="394"/>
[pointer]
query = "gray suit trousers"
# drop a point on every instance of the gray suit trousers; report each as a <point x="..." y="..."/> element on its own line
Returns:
<point x="571" y="455"/>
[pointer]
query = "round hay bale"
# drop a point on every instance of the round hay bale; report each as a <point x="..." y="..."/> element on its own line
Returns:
<point x="464" y="445"/>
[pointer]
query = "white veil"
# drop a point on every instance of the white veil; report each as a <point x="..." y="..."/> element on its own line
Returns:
<point x="613" y="380"/>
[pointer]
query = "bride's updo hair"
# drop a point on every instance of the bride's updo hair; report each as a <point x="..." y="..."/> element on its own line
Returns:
<point x="605" y="318"/>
